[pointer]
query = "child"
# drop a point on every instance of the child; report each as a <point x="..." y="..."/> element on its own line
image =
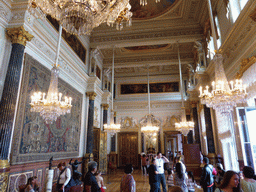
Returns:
<point x="191" y="182"/>
<point x="100" y="181"/>
<point x="170" y="178"/>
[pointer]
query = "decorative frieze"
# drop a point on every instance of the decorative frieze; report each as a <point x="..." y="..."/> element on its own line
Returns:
<point x="245" y="64"/>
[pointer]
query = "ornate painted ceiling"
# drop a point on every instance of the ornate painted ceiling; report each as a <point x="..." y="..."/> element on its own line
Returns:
<point x="156" y="32"/>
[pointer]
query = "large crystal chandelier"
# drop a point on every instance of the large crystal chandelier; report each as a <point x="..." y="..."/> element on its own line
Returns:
<point x="81" y="16"/>
<point x="51" y="106"/>
<point x="112" y="128"/>
<point x="149" y="121"/>
<point x="223" y="97"/>
<point x="183" y="126"/>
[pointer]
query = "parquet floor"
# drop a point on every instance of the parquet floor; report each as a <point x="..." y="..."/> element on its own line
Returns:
<point x="112" y="181"/>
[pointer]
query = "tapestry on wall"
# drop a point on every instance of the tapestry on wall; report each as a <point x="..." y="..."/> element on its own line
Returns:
<point x="33" y="139"/>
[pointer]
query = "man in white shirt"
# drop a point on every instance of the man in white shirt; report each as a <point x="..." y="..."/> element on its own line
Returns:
<point x="160" y="160"/>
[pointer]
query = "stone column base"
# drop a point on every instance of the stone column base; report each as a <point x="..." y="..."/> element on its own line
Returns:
<point x="4" y="174"/>
<point x="212" y="158"/>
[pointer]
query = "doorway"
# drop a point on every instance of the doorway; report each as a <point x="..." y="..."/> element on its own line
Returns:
<point x="128" y="149"/>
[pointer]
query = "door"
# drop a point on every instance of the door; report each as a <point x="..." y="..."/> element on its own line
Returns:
<point x="128" y="149"/>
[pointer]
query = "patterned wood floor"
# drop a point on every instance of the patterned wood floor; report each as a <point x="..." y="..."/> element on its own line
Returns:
<point x="112" y="181"/>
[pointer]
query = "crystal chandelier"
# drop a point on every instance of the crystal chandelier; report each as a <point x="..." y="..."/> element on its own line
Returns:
<point x="112" y="128"/>
<point x="149" y="120"/>
<point x="81" y="16"/>
<point x="223" y="97"/>
<point x="145" y="2"/>
<point x="51" y="106"/>
<point x="184" y="126"/>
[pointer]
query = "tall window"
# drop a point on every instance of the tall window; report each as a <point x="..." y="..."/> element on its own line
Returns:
<point x="243" y="3"/>
<point x="235" y="9"/>
<point x="247" y="122"/>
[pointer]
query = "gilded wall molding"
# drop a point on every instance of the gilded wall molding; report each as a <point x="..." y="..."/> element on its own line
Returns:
<point x="19" y="35"/>
<point x="245" y="64"/>
<point x="253" y="15"/>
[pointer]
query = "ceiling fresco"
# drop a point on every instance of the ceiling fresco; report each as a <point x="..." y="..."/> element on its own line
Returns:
<point x="152" y="9"/>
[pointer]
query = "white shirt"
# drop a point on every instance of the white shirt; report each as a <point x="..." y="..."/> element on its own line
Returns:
<point x="65" y="177"/>
<point x="160" y="165"/>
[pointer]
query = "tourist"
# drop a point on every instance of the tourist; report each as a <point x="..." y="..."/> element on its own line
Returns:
<point x="89" y="179"/>
<point x="207" y="180"/>
<point x="160" y="160"/>
<point x="248" y="184"/>
<point x="191" y="182"/>
<point x="220" y="173"/>
<point x="230" y="183"/>
<point x="100" y="181"/>
<point x="180" y="177"/>
<point x="127" y="182"/>
<point x="64" y="177"/>
<point x="153" y="177"/>
<point x="32" y="185"/>
<point x="144" y="160"/>
<point x="169" y="180"/>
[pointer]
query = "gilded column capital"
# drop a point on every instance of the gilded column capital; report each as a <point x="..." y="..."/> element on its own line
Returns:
<point x="115" y="114"/>
<point x="253" y="15"/>
<point x="19" y="35"/>
<point x="91" y="95"/>
<point x="4" y="164"/>
<point x="105" y="106"/>
<point x="193" y="104"/>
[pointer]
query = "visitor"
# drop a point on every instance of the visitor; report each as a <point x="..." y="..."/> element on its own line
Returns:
<point x="144" y="160"/>
<point x="248" y="184"/>
<point x="90" y="179"/>
<point x="32" y="185"/>
<point x="153" y="176"/>
<point x="180" y="177"/>
<point x="100" y="181"/>
<point x="160" y="160"/>
<point x="127" y="182"/>
<point x="207" y="180"/>
<point x="220" y="174"/>
<point x="191" y="182"/>
<point x="64" y="177"/>
<point x="169" y="180"/>
<point x="230" y="183"/>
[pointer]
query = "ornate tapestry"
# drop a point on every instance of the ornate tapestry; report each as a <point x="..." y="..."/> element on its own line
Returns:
<point x="33" y="139"/>
<point x="154" y="88"/>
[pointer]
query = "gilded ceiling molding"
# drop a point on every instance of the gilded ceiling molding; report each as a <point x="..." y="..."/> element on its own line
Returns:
<point x="245" y="64"/>
<point x="19" y="35"/>
<point x="253" y="15"/>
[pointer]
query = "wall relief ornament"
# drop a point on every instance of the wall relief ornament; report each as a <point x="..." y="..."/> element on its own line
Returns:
<point x="128" y="122"/>
<point x="253" y="15"/>
<point x="245" y="64"/>
<point x="170" y="121"/>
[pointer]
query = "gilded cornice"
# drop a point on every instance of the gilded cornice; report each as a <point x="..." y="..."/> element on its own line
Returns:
<point x="91" y="95"/>
<point x="105" y="106"/>
<point x="245" y="64"/>
<point x="253" y="15"/>
<point x="19" y="35"/>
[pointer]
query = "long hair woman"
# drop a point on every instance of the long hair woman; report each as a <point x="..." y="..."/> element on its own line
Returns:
<point x="180" y="177"/>
<point x="230" y="183"/>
